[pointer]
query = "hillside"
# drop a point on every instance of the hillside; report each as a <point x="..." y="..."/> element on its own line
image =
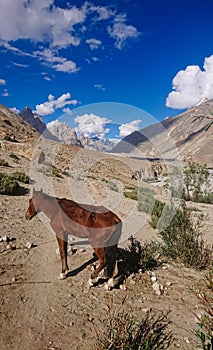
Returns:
<point x="184" y="135"/>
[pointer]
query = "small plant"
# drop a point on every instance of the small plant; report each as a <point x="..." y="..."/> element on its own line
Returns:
<point x="131" y="192"/>
<point x="4" y="162"/>
<point x="124" y="331"/>
<point x="50" y="170"/>
<point x="156" y="213"/>
<point x="141" y="256"/>
<point x="10" y="138"/>
<point x="182" y="239"/>
<point x="8" y="185"/>
<point x="144" y="196"/>
<point x="196" y="181"/>
<point x="14" y="156"/>
<point x="112" y="186"/>
<point x="20" y="176"/>
<point x="204" y="330"/>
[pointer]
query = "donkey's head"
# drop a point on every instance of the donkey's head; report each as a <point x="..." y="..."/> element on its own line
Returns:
<point x="33" y="208"/>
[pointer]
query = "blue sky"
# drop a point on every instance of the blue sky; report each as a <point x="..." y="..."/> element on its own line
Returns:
<point x="103" y="63"/>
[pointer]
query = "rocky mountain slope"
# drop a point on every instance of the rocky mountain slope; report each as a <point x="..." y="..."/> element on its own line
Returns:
<point x="64" y="133"/>
<point x="37" y="123"/>
<point x="15" y="128"/>
<point x="186" y="135"/>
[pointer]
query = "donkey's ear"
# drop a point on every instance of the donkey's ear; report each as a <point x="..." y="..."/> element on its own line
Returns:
<point x="34" y="190"/>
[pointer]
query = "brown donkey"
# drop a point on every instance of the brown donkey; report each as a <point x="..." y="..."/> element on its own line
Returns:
<point x="99" y="225"/>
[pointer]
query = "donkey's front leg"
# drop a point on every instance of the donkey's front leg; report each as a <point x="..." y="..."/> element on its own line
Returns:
<point x="62" y="243"/>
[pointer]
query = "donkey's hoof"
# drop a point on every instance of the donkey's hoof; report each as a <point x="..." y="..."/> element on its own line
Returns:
<point x="90" y="283"/>
<point x="109" y="284"/>
<point x="63" y="275"/>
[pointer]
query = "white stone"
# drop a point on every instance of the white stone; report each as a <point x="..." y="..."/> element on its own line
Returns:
<point x="29" y="245"/>
<point x="156" y="288"/>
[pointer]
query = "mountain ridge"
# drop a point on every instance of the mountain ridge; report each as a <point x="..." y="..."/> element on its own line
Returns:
<point x="187" y="133"/>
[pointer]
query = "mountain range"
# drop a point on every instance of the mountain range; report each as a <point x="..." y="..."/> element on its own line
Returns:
<point x="187" y="135"/>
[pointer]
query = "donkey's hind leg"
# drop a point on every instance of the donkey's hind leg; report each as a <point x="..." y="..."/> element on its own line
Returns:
<point x="100" y="252"/>
<point x="62" y="243"/>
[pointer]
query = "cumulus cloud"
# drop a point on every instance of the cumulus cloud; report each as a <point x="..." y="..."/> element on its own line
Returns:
<point x="40" y="21"/>
<point x="44" y="23"/>
<point x="121" y="32"/>
<point x="52" y="104"/>
<point x="91" y="125"/>
<point x="2" y="81"/>
<point x="94" y="43"/>
<point x="192" y="85"/>
<point x="128" y="128"/>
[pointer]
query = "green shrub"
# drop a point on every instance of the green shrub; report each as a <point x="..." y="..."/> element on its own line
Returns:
<point x="204" y="330"/>
<point x="131" y="193"/>
<point x="8" y="185"/>
<point x="196" y="182"/>
<point x="124" y="331"/>
<point x="144" y="196"/>
<point x="20" y="176"/>
<point x="182" y="239"/>
<point x="141" y="256"/>
<point x="156" y="213"/>
<point x="50" y="170"/>
<point x="14" y="156"/>
<point x="4" y="162"/>
<point x="112" y="186"/>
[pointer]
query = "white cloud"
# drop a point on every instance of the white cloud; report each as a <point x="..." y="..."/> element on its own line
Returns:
<point x="53" y="123"/>
<point x="92" y="125"/>
<point x="40" y="21"/>
<point x="20" y="65"/>
<point x="67" y="110"/>
<point x="128" y="128"/>
<point x="5" y="93"/>
<point x="99" y="87"/>
<point x="52" y="104"/>
<point x="61" y="64"/>
<point x="2" y="82"/>
<point x="47" y="78"/>
<point x="44" y="23"/>
<point x="192" y="85"/>
<point x="121" y="32"/>
<point x="94" y="43"/>
<point x="15" y="110"/>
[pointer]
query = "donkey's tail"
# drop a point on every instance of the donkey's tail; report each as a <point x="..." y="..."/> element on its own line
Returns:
<point x="111" y="250"/>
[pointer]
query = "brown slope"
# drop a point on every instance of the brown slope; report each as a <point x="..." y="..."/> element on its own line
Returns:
<point x="14" y="127"/>
<point x="184" y="135"/>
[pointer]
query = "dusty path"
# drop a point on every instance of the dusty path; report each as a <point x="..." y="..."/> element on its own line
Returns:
<point x="38" y="311"/>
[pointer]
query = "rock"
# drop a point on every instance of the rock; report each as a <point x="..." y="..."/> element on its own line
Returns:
<point x="153" y="279"/>
<point x="7" y="238"/>
<point x="82" y="250"/>
<point x="29" y="245"/>
<point x="11" y="246"/>
<point x="123" y="287"/>
<point x="156" y="288"/>
<point x="145" y="309"/>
